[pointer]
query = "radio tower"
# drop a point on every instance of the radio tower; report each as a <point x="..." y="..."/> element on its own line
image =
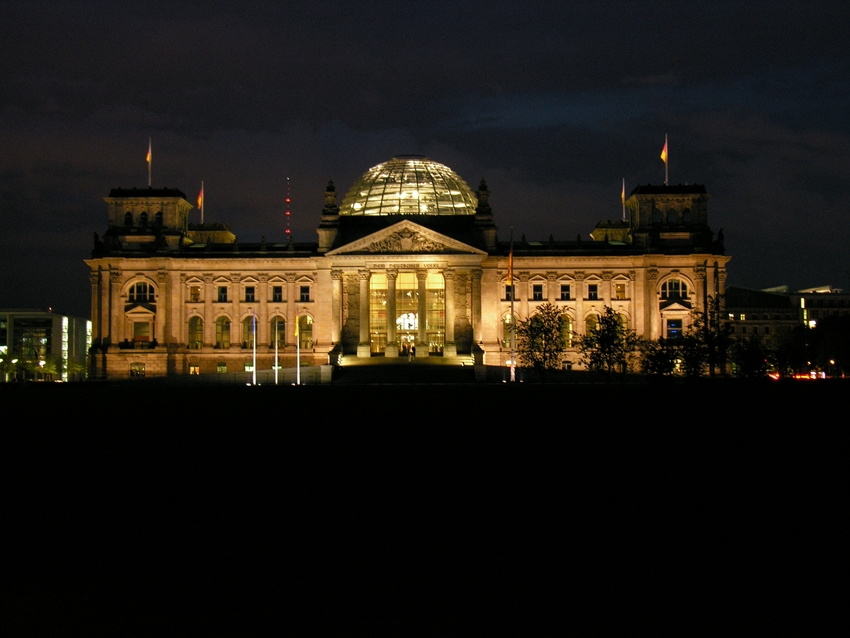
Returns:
<point x="288" y="215"/>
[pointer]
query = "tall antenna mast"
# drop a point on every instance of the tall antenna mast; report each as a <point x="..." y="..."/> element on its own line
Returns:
<point x="288" y="214"/>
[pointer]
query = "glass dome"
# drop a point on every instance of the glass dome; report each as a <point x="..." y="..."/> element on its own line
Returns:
<point x="409" y="185"/>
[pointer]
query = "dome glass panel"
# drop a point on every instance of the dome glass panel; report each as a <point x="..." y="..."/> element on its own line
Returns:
<point x="409" y="185"/>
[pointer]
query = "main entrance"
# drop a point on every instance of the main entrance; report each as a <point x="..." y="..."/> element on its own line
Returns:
<point x="397" y="319"/>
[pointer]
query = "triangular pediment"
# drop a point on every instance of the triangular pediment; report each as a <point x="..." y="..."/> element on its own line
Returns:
<point x="406" y="238"/>
<point x="675" y="305"/>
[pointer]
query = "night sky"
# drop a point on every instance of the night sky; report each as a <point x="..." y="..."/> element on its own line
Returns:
<point x="552" y="103"/>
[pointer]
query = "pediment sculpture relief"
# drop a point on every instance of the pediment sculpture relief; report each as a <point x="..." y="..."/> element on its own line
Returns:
<point x="406" y="241"/>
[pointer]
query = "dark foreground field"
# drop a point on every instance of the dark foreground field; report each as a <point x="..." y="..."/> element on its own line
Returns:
<point x="134" y="510"/>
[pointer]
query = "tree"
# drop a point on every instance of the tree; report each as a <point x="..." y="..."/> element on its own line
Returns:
<point x="750" y="357"/>
<point x="540" y="339"/>
<point x="609" y="345"/>
<point x="658" y="356"/>
<point x="706" y="341"/>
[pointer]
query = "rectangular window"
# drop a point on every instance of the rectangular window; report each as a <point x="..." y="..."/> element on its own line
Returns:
<point x="222" y="294"/>
<point x="565" y="292"/>
<point x="194" y="293"/>
<point x="593" y="292"/>
<point x="509" y="292"/>
<point x="249" y="294"/>
<point x="221" y="368"/>
<point x="277" y="293"/>
<point x="249" y="367"/>
<point x="305" y="293"/>
<point x="619" y="291"/>
<point x="674" y="328"/>
<point x="137" y="369"/>
<point x="194" y="369"/>
<point x="537" y="292"/>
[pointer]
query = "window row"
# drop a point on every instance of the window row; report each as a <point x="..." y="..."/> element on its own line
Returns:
<point x="565" y="292"/>
<point x="591" y="322"/>
<point x="223" y="294"/>
<point x="143" y="220"/>
<point x="248" y="331"/>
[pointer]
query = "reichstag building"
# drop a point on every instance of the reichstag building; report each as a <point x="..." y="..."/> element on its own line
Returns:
<point x="409" y="264"/>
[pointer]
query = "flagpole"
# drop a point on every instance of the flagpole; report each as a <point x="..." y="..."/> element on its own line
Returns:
<point x="513" y="319"/>
<point x="297" y="354"/>
<point x="201" y="201"/>
<point x="623" y="198"/>
<point x="254" y="339"/>
<point x="150" y="161"/>
<point x="276" y="364"/>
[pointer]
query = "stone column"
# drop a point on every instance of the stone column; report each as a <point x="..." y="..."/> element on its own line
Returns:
<point x="606" y="287"/>
<point x="476" y="305"/>
<point x="209" y="320"/>
<point x="653" y="313"/>
<point x="96" y="305"/>
<point x="552" y="292"/>
<point x="392" y="347"/>
<point x="115" y="329"/>
<point x="422" y="346"/>
<point x="235" y="310"/>
<point x="336" y="306"/>
<point x="579" y="297"/>
<point x="523" y="295"/>
<point x="162" y="307"/>
<point x="291" y="318"/>
<point x="364" y="348"/>
<point x="264" y="337"/>
<point x="450" y="347"/>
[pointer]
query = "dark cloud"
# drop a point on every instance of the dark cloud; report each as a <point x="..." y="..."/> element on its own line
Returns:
<point x="553" y="103"/>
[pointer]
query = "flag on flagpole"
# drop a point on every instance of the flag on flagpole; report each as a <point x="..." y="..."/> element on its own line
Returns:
<point x="664" y="151"/>
<point x="296" y="328"/>
<point x="623" y="193"/>
<point x="201" y="197"/>
<point x="148" y="158"/>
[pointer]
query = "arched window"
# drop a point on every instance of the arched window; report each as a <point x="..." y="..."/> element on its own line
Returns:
<point x="686" y="216"/>
<point x="157" y="220"/>
<point x="222" y="332"/>
<point x="248" y="331"/>
<point x="672" y="217"/>
<point x="507" y="329"/>
<point x="674" y="289"/>
<point x="196" y="333"/>
<point x="128" y="219"/>
<point x="278" y="329"/>
<point x="656" y="216"/>
<point x="567" y="330"/>
<point x="590" y="324"/>
<point x="305" y="331"/>
<point x="143" y="220"/>
<point x="140" y="292"/>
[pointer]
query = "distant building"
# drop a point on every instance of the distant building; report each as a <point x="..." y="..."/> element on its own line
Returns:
<point x="38" y="345"/>
<point x="410" y="260"/>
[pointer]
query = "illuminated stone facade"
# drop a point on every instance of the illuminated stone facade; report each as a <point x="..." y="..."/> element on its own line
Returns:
<point x="171" y="298"/>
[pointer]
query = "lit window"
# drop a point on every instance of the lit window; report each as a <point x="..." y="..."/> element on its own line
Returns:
<point x="221" y="367"/>
<point x="249" y="294"/>
<point x="248" y="328"/>
<point x="593" y="292"/>
<point x="249" y="367"/>
<point x="537" y="292"/>
<point x="137" y="369"/>
<point x="194" y="369"/>
<point x="196" y="333"/>
<point x="590" y="324"/>
<point x="277" y="293"/>
<point x="567" y="331"/>
<point x="194" y="293"/>
<point x="278" y="328"/>
<point x="565" y="292"/>
<point x="743" y="317"/>
<point x="619" y="291"/>
<point x="222" y="294"/>
<point x="507" y="330"/>
<point x="674" y="328"/>
<point x="305" y="293"/>
<point x="222" y="332"/>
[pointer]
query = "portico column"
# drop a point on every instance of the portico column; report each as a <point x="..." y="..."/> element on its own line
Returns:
<point x="523" y="295"/>
<point x="96" y="304"/>
<point x="422" y="346"/>
<point x="449" y="347"/>
<point x="236" y="309"/>
<point x="579" y="295"/>
<point x="336" y="310"/>
<point x="116" y="318"/>
<point x="364" y="348"/>
<point x="392" y="347"/>
<point x="652" y="304"/>
<point x="551" y="294"/>
<point x="606" y="287"/>
<point x="476" y="305"/>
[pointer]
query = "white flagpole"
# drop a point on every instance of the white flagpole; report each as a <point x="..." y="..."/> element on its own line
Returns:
<point x="254" y="339"/>
<point x="297" y="353"/>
